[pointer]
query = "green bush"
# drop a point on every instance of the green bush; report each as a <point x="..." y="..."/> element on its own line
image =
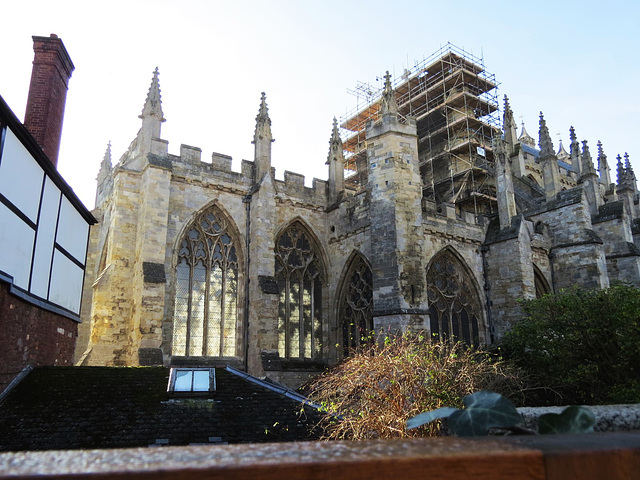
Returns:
<point x="580" y="347"/>
<point x="373" y="393"/>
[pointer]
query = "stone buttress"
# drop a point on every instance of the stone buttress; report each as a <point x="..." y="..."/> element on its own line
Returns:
<point x="399" y="284"/>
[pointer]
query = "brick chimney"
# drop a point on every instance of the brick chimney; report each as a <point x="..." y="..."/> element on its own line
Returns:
<point x="52" y="70"/>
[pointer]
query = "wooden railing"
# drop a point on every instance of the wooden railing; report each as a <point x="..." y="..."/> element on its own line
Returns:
<point x="590" y="456"/>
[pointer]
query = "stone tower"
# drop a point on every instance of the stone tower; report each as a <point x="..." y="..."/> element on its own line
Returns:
<point x="399" y="289"/>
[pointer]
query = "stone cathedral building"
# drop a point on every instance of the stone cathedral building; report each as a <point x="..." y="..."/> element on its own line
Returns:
<point x="435" y="216"/>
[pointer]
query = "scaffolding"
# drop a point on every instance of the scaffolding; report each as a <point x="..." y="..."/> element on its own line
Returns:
<point x="454" y="102"/>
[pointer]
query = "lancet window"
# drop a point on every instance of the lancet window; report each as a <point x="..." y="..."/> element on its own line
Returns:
<point x="299" y="277"/>
<point x="205" y="314"/>
<point x="356" y="307"/>
<point x="540" y="283"/>
<point x="454" y="306"/>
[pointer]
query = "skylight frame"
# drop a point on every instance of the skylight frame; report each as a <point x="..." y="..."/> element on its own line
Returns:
<point x="192" y="381"/>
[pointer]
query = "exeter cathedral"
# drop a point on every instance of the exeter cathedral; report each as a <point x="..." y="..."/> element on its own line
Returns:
<point x="437" y="216"/>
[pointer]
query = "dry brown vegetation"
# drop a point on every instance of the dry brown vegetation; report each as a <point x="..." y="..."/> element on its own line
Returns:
<point x="372" y="393"/>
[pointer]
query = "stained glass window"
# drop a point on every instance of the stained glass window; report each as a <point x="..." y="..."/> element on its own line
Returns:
<point x="205" y="313"/>
<point x="356" y="307"/>
<point x="298" y="274"/>
<point x="454" y="306"/>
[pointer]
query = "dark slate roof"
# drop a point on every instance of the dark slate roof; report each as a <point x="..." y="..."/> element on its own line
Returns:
<point x="566" y="166"/>
<point x="536" y="154"/>
<point x="113" y="407"/>
<point x="530" y="150"/>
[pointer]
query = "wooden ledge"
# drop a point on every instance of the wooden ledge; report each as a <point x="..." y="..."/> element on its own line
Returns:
<point x="590" y="456"/>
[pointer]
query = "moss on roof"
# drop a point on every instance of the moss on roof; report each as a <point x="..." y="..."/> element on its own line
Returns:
<point x="112" y="407"/>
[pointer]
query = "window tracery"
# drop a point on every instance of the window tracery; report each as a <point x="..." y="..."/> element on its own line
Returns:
<point x="205" y="313"/>
<point x="454" y="306"/>
<point x="356" y="307"/>
<point x="298" y="275"/>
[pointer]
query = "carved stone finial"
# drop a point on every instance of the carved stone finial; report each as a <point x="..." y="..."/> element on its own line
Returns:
<point x="628" y="167"/>
<point x="389" y="104"/>
<point x="509" y="125"/>
<point x="507" y="118"/>
<point x="153" y="103"/>
<point x="602" y="157"/>
<point x="587" y="161"/>
<point x="335" y="142"/>
<point x="263" y="122"/>
<point x="572" y="135"/>
<point x="620" y="170"/>
<point x="106" y="160"/>
<point x="603" y="166"/>
<point x="546" y="145"/>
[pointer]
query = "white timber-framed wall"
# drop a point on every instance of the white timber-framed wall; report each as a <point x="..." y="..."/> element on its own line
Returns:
<point x="44" y="227"/>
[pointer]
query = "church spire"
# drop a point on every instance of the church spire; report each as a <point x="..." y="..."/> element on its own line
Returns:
<point x="509" y="126"/>
<point x="620" y="170"/>
<point x="106" y="160"/>
<point x="562" y="152"/>
<point x="627" y="166"/>
<point x="546" y="145"/>
<point x="105" y="165"/>
<point x="263" y="122"/>
<point x="153" y="103"/>
<point x="587" y="161"/>
<point x="526" y="138"/>
<point x="627" y="187"/>
<point x="389" y="104"/>
<point x="589" y="180"/>
<point x="574" y="152"/>
<point x="549" y="161"/>
<point x="104" y="176"/>
<point x="504" y="183"/>
<point x="152" y="116"/>
<point x="603" y="167"/>
<point x="262" y="139"/>
<point x="335" y="160"/>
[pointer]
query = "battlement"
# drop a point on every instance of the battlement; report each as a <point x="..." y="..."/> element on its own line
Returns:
<point x="448" y="210"/>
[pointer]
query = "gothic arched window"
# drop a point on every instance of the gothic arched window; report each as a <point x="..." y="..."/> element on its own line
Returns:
<point x="540" y="283"/>
<point x="356" y="306"/>
<point x="454" y="307"/>
<point x="298" y="274"/>
<point x="205" y="315"/>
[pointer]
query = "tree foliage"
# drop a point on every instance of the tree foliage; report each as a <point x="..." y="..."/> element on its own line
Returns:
<point x="584" y="346"/>
<point x="373" y="393"/>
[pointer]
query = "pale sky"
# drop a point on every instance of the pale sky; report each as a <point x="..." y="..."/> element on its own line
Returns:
<point x="576" y="61"/>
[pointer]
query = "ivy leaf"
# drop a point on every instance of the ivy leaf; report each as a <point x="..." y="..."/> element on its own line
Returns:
<point x="571" y="420"/>
<point x="484" y="410"/>
<point x="426" y="417"/>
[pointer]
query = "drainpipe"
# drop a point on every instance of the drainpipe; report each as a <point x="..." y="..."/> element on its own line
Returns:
<point x="483" y="250"/>
<point x="553" y="272"/>
<point x="247" y="202"/>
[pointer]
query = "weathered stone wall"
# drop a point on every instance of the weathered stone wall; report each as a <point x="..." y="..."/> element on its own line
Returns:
<point x="112" y="294"/>
<point x="399" y="284"/>
<point x="577" y="253"/>
<point x="613" y="226"/>
<point x="510" y="272"/>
